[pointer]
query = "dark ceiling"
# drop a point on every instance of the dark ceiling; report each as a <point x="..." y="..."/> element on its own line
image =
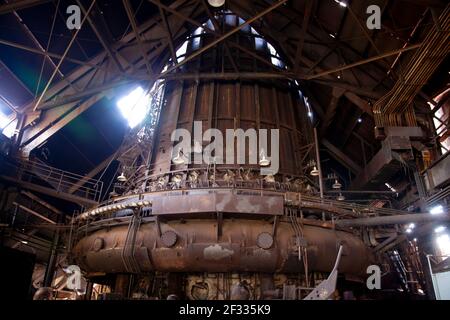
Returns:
<point x="334" y="36"/>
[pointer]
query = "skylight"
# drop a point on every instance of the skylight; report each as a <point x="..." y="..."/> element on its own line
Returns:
<point x="275" y="57"/>
<point x="134" y="106"/>
<point x="181" y="52"/>
<point x="4" y="120"/>
<point x="10" y="129"/>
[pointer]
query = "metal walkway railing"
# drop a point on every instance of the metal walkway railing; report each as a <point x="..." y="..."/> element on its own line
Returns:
<point x="62" y="182"/>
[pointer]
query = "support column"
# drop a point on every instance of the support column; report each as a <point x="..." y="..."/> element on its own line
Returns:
<point x="51" y="264"/>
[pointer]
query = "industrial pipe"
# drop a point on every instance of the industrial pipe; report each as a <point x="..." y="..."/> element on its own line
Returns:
<point x="397" y="219"/>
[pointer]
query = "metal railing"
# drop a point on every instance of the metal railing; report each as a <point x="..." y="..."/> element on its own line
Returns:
<point x="291" y="198"/>
<point x="61" y="181"/>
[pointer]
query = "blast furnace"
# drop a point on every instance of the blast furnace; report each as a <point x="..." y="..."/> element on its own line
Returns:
<point x="218" y="230"/>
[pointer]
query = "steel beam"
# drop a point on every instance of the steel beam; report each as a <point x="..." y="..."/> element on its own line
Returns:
<point x="225" y="36"/>
<point x="93" y="172"/>
<point x="301" y="40"/>
<point x="34" y="213"/>
<point x="41" y="202"/>
<point x="62" y="58"/>
<point x="331" y="110"/>
<point x="166" y="28"/>
<point x="51" y="192"/>
<point x="341" y="157"/>
<point x="364" y="61"/>
<point x="131" y="17"/>
<point x="217" y="34"/>
<point x="100" y="38"/>
<point x="20" y="5"/>
<point x="217" y="27"/>
<point x="36" y="131"/>
<point x="46" y="54"/>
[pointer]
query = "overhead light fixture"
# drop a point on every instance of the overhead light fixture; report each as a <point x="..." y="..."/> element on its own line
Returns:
<point x="341" y="3"/>
<point x="390" y="187"/>
<point x="24" y="242"/>
<point x="336" y="184"/>
<point x="340" y="197"/>
<point x="410" y="228"/>
<point x="437" y="210"/>
<point x="113" y="194"/>
<point x="216" y="3"/>
<point x="359" y="120"/>
<point x="263" y="161"/>
<point x="179" y="158"/>
<point x="122" y="178"/>
<point x="314" y="172"/>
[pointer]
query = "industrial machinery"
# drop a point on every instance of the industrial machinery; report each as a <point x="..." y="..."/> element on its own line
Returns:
<point x="218" y="231"/>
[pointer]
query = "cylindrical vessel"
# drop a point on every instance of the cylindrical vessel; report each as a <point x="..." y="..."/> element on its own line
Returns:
<point x="245" y="246"/>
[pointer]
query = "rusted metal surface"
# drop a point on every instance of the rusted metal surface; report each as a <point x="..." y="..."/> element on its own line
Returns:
<point x="218" y="202"/>
<point x="217" y="107"/>
<point x="197" y="248"/>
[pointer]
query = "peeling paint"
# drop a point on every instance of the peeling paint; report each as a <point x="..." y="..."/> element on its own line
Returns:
<point x="216" y="252"/>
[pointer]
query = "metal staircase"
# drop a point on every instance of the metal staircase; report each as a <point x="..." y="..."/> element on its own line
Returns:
<point x="399" y="269"/>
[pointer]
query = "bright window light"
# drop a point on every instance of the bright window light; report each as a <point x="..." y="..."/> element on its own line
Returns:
<point x="275" y="56"/>
<point x="439" y="229"/>
<point x="4" y="121"/>
<point x="443" y="243"/>
<point x="259" y="43"/>
<point x="182" y="51"/>
<point x="209" y="24"/>
<point x="134" y="106"/>
<point x="437" y="210"/>
<point x="10" y="129"/>
<point x="253" y="31"/>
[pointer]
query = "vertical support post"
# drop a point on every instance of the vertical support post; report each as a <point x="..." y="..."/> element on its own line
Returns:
<point x="51" y="264"/>
<point x="431" y="291"/>
<point x="319" y="167"/>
